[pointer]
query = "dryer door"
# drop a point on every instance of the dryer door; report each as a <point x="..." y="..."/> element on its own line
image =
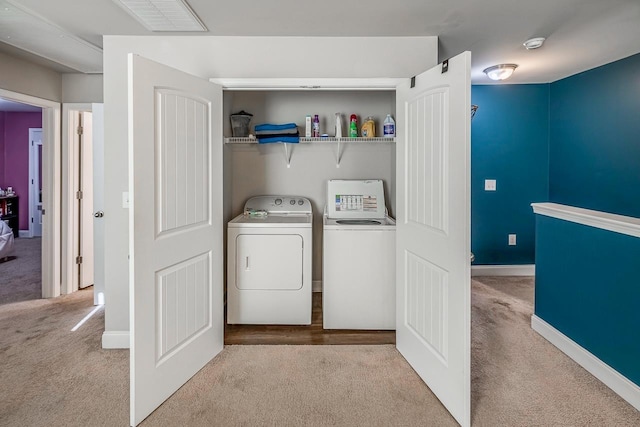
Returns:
<point x="269" y="262"/>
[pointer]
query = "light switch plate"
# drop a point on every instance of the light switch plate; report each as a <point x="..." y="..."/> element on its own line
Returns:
<point x="512" y="239"/>
<point x="489" y="185"/>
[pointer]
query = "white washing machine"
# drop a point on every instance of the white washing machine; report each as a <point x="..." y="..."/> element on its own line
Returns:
<point x="359" y="261"/>
<point x="269" y="250"/>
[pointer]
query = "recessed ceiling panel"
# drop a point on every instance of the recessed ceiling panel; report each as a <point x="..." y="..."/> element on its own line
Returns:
<point x="26" y="30"/>
<point x="163" y="15"/>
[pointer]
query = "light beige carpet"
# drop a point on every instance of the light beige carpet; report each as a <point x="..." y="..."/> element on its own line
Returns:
<point x="50" y="376"/>
<point x="304" y="386"/>
<point x="20" y="277"/>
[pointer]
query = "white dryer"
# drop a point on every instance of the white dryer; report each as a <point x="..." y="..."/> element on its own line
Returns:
<point x="359" y="264"/>
<point x="269" y="255"/>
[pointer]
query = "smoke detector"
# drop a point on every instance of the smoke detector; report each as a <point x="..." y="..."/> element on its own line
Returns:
<point x="534" y="43"/>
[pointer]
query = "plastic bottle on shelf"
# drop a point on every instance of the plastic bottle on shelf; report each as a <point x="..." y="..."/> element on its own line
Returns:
<point x="338" y="125"/>
<point x="353" y="126"/>
<point x="369" y="128"/>
<point x="316" y="126"/>
<point x="307" y="126"/>
<point x="389" y="127"/>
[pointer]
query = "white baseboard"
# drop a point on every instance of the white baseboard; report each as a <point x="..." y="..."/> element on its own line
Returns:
<point x="625" y="388"/>
<point x="316" y="286"/>
<point x="115" y="339"/>
<point x="25" y="234"/>
<point x="503" y="270"/>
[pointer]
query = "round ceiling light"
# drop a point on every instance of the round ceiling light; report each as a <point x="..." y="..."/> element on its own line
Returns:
<point x="534" y="43"/>
<point x="500" y="72"/>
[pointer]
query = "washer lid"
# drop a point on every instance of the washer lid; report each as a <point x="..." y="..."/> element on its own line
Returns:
<point x="355" y="199"/>
<point x="381" y="224"/>
<point x="272" y="221"/>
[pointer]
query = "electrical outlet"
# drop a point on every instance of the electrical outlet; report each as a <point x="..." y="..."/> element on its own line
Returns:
<point x="489" y="185"/>
<point x="512" y="239"/>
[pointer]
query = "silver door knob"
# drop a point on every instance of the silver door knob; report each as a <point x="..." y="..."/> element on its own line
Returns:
<point x="99" y="214"/>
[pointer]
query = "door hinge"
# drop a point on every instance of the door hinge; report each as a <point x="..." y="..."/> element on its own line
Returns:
<point x="445" y="66"/>
<point x="78" y="260"/>
<point x="79" y="195"/>
<point x="413" y="82"/>
<point x="42" y="211"/>
<point x="80" y="130"/>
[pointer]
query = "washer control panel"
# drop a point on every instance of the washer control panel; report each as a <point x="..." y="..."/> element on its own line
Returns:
<point x="355" y="199"/>
<point x="279" y="204"/>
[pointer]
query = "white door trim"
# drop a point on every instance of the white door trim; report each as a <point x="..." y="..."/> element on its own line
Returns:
<point x="69" y="183"/>
<point x="98" y="201"/>
<point x="50" y="188"/>
<point x="33" y="167"/>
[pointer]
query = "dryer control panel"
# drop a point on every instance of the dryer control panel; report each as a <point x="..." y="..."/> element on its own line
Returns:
<point x="279" y="204"/>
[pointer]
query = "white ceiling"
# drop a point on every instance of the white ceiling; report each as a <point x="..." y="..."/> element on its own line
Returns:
<point x="581" y="34"/>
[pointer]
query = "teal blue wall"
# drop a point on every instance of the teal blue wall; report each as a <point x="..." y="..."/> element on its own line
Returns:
<point x="509" y="143"/>
<point x="574" y="142"/>
<point x="595" y="139"/>
<point x="587" y="287"/>
<point x="587" y="279"/>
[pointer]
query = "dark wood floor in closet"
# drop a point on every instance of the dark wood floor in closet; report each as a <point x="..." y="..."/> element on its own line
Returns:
<point x="304" y="335"/>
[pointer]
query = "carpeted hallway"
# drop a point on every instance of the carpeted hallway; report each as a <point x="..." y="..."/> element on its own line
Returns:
<point x="51" y="376"/>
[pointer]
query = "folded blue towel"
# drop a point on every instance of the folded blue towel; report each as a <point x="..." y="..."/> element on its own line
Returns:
<point x="286" y="139"/>
<point x="292" y="131"/>
<point x="278" y="135"/>
<point x="269" y="126"/>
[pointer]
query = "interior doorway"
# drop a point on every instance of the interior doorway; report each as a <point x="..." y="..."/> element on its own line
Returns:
<point x="49" y="184"/>
<point x="82" y="199"/>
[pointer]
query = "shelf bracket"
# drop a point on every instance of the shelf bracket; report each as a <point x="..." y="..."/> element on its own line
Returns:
<point x="287" y="154"/>
<point x="338" y="154"/>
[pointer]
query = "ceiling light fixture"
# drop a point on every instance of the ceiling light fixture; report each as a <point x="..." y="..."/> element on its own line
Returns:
<point x="163" y="15"/>
<point x="534" y="43"/>
<point x="500" y="72"/>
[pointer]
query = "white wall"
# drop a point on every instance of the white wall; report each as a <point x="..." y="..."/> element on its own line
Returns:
<point x="262" y="169"/>
<point x="24" y="77"/>
<point x="226" y="57"/>
<point x="77" y="87"/>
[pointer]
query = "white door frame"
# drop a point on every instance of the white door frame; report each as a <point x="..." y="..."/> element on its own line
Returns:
<point x="70" y="167"/>
<point x="50" y="188"/>
<point x="33" y="175"/>
<point x="86" y="220"/>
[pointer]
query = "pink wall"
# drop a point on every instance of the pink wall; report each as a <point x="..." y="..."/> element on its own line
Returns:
<point x="2" y="149"/>
<point x="16" y="157"/>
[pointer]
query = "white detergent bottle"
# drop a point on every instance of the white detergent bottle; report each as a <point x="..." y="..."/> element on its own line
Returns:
<point x="338" y="125"/>
<point x="389" y="127"/>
